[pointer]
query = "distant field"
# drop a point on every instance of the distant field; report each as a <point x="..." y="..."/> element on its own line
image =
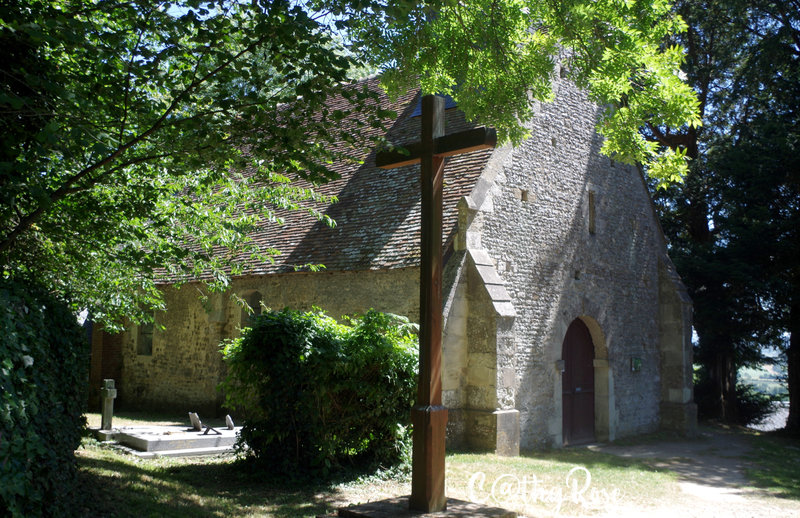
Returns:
<point x="769" y="379"/>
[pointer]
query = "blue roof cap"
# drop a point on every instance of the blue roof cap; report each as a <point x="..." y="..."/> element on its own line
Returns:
<point x="449" y="102"/>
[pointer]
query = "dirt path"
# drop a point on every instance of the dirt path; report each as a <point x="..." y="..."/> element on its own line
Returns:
<point x="712" y="481"/>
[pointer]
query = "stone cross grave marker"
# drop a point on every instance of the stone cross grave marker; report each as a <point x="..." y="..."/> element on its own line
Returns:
<point x="108" y="393"/>
<point x="428" y="416"/>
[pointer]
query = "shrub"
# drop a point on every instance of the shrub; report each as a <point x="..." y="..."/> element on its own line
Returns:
<point x="753" y="406"/>
<point x="43" y="372"/>
<point x="315" y="393"/>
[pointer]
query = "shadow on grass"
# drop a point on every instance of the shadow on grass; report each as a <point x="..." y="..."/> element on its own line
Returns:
<point x="140" y="489"/>
<point x="777" y="459"/>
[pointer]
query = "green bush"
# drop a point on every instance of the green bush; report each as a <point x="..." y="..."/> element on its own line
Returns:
<point x="43" y="372"/>
<point x="316" y="394"/>
<point x="752" y="405"/>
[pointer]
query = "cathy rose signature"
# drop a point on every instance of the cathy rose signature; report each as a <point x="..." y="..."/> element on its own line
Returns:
<point x="509" y="490"/>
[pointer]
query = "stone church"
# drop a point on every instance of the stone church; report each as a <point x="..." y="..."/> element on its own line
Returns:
<point x="564" y="319"/>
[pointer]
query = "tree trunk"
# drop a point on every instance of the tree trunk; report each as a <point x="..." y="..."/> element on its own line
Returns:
<point x="793" y="357"/>
<point x="723" y="378"/>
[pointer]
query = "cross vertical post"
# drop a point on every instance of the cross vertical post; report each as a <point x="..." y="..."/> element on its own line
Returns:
<point x="428" y="416"/>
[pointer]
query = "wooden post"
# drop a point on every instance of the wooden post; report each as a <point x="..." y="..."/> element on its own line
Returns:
<point x="428" y="416"/>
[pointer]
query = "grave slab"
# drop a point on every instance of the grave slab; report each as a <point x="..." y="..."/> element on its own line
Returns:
<point x="167" y="438"/>
<point x="191" y="452"/>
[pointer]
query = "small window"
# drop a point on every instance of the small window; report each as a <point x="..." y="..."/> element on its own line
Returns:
<point x="592" y="217"/>
<point x="144" y="339"/>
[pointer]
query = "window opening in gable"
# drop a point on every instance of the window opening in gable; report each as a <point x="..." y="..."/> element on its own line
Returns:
<point x="144" y="339"/>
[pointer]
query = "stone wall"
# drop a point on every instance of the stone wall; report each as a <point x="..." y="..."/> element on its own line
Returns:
<point x="572" y="235"/>
<point x="678" y="409"/>
<point x="185" y="366"/>
<point x="105" y="362"/>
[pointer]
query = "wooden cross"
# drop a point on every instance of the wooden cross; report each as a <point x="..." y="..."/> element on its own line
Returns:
<point x="428" y="416"/>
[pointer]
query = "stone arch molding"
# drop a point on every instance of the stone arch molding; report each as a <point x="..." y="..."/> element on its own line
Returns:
<point x="604" y="404"/>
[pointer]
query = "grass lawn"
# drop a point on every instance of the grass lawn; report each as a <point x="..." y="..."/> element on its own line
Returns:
<point x="572" y="481"/>
<point x="778" y="458"/>
<point x="566" y="482"/>
<point x="122" y="419"/>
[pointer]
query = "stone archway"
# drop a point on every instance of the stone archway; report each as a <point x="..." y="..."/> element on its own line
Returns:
<point x="604" y="415"/>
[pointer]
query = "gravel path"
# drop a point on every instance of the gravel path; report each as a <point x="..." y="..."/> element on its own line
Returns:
<point x="711" y="473"/>
<point x="775" y="420"/>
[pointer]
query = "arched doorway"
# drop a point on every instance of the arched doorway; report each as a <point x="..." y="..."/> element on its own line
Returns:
<point x="577" y="385"/>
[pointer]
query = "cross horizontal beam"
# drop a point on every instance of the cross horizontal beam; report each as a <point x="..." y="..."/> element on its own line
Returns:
<point x="444" y="146"/>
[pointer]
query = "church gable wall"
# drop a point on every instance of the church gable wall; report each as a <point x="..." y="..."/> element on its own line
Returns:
<point x="572" y="235"/>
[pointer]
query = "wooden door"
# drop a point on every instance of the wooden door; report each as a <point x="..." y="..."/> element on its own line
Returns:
<point x="578" y="385"/>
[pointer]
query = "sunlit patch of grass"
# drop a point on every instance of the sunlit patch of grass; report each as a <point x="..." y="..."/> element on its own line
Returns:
<point x="778" y="459"/>
<point x="121" y="419"/>
<point x="134" y="418"/>
<point x="567" y="482"/>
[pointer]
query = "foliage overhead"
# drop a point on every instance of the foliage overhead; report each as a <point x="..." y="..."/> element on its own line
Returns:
<point x="497" y="58"/>
<point x="44" y="365"/>
<point x="143" y="135"/>
<point x="316" y="394"/>
<point x="734" y="226"/>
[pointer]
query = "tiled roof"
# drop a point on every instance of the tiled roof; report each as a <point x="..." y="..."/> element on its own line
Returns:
<point x="378" y="212"/>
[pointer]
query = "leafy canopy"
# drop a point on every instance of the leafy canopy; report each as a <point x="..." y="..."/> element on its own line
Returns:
<point x="144" y="135"/>
<point x="148" y="136"/>
<point x="733" y="225"/>
<point x="497" y="58"/>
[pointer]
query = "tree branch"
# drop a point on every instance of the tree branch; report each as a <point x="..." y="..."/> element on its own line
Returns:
<point x="128" y="75"/>
<point x="25" y="223"/>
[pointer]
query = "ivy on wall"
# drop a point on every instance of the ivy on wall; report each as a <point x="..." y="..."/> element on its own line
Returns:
<point x="43" y="371"/>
